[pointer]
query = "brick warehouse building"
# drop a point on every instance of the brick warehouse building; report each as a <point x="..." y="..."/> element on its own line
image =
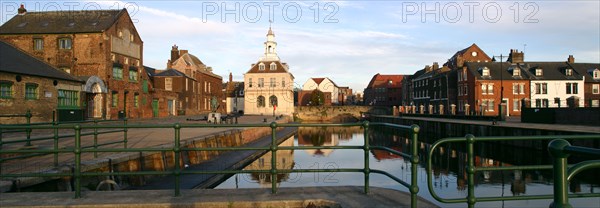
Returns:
<point x="27" y="83"/>
<point x="101" y="47"/>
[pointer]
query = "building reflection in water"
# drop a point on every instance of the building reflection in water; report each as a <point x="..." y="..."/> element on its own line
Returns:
<point x="285" y="161"/>
<point x="450" y="161"/>
<point x="324" y="136"/>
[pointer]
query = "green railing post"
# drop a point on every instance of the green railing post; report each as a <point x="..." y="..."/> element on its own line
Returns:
<point x="471" y="170"/>
<point x="55" y="131"/>
<point x="367" y="169"/>
<point x="273" y="157"/>
<point x="77" y="151"/>
<point x="95" y="137"/>
<point x="125" y="133"/>
<point x="28" y="130"/>
<point x="176" y="151"/>
<point x="559" y="172"/>
<point x="414" y="160"/>
<point x="1" y="137"/>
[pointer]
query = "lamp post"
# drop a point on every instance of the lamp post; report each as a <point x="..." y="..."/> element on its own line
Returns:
<point x="500" y="114"/>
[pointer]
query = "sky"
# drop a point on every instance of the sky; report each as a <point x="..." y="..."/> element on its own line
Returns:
<point x="351" y="41"/>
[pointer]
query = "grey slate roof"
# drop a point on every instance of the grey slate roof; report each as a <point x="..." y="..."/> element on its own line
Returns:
<point x="171" y="73"/>
<point x="59" y="22"/>
<point x="586" y="70"/>
<point x="507" y="73"/>
<point x="13" y="60"/>
<point x="151" y="71"/>
<point x="551" y="71"/>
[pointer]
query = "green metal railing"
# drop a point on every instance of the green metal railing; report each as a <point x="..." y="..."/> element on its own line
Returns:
<point x="15" y="128"/>
<point x="558" y="148"/>
<point x="77" y="150"/>
<point x="560" y="151"/>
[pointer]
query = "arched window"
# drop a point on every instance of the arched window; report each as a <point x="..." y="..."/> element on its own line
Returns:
<point x="260" y="102"/>
<point x="272" y="101"/>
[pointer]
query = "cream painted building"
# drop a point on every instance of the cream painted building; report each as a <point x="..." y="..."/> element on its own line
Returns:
<point x="269" y="84"/>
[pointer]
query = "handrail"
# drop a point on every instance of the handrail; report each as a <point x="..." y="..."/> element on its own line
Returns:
<point x="78" y="149"/>
<point x="471" y="169"/>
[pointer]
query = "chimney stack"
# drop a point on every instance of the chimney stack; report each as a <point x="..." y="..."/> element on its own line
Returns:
<point x="516" y="57"/>
<point x="230" y="77"/>
<point x="571" y="59"/>
<point x="436" y="66"/>
<point x="22" y="10"/>
<point x="174" y="53"/>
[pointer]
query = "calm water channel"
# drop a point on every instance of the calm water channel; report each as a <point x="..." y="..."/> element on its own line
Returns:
<point x="449" y="168"/>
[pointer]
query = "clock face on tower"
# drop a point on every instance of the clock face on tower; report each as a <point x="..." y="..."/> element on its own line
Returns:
<point x="474" y="53"/>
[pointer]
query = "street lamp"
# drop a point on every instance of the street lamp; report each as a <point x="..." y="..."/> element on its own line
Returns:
<point x="500" y="114"/>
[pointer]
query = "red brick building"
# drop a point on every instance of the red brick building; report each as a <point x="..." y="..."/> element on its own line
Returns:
<point x="384" y="90"/>
<point x="102" y="47"/>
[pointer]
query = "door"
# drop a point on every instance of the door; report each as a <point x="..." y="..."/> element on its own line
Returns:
<point x="507" y="106"/>
<point x="155" y="108"/>
<point x="170" y="106"/>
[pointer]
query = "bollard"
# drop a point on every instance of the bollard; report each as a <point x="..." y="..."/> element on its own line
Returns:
<point x="77" y="152"/>
<point x="28" y="116"/>
<point x="176" y="151"/>
<point x="55" y="125"/>
<point x="471" y="170"/>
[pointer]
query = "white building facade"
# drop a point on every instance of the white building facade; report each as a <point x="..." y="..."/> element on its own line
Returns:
<point x="268" y="85"/>
<point x="555" y="86"/>
<point x="323" y="85"/>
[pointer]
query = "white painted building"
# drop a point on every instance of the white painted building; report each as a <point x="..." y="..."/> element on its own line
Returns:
<point x="269" y="84"/>
<point x="323" y="85"/>
<point x="555" y="84"/>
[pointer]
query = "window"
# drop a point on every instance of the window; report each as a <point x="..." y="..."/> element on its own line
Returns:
<point x="168" y="84"/>
<point x="539" y="72"/>
<point x="516" y="105"/>
<point x="490" y="89"/>
<point x="283" y="82"/>
<point x="544" y="88"/>
<point x="485" y="72"/>
<point x="272" y="101"/>
<point x="595" y="103"/>
<point x="545" y="103"/>
<point x="261" y="66"/>
<point x="273" y="66"/>
<point x="131" y="38"/>
<point x="515" y="88"/>
<point x="272" y="82"/>
<point x="596" y="89"/>
<point x="516" y="72"/>
<point x="126" y="61"/>
<point x="120" y="34"/>
<point x="571" y="88"/>
<point x="136" y="98"/>
<point x="260" y="102"/>
<point x="31" y="91"/>
<point x="64" y="43"/>
<point x="38" y="44"/>
<point x="596" y="74"/>
<point x="483" y="89"/>
<point x="115" y="99"/>
<point x="145" y="86"/>
<point x="261" y="82"/>
<point x="67" y="99"/>
<point x="249" y="82"/>
<point x="113" y="57"/>
<point x="117" y="72"/>
<point x="491" y="105"/>
<point x="133" y="74"/>
<point x="522" y="88"/>
<point x="538" y="103"/>
<point x="6" y="89"/>
<point x="569" y="72"/>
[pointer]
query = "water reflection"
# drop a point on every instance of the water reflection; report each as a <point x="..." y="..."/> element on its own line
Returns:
<point x="322" y="136"/>
<point x="284" y="160"/>
<point x="449" y="167"/>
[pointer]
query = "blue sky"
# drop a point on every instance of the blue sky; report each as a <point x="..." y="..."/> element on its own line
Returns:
<point x="350" y="41"/>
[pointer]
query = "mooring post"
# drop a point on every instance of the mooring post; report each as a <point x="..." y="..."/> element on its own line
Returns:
<point x="366" y="148"/>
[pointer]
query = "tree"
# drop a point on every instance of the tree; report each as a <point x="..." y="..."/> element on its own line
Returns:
<point x="317" y="98"/>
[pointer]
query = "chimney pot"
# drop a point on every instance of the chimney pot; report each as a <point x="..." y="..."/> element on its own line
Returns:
<point x="22" y="10"/>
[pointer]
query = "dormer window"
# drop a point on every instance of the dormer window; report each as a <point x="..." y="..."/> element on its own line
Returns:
<point x="569" y="72"/>
<point x="390" y="82"/>
<point x="261" y="67"/>
<point x="273" y="66"/>
<point x="516" y="72"/>
<point x="539" y="72"/>
<point x="596" y="74"/>
<point x="485" y="72"/>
